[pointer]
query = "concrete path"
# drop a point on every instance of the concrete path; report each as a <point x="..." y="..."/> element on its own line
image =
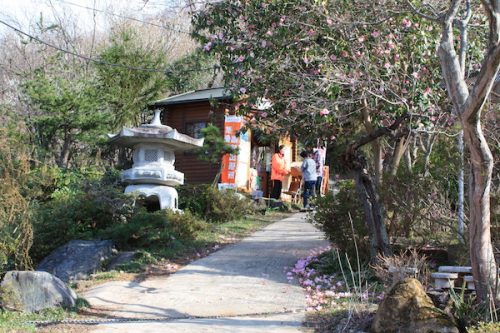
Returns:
<point x="241" y="288"/>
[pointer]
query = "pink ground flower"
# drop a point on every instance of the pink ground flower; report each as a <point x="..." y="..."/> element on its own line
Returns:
<point x="207" y="47"/>
<point x="324" y="112"/>
<point x="406" y="23"/>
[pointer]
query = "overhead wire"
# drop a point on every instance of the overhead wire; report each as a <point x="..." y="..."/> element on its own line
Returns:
<point x="166" y="27"/>
<point x="165" y="71"/>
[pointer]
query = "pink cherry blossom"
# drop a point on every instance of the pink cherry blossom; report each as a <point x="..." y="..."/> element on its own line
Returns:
<point x="387" y="65"/>
<point x="375" y="34"/>
<point x="427" y="91"/>
<point x="415" y="75"/>
<point x="324" y="112"/>
<point x="406" y="23"/>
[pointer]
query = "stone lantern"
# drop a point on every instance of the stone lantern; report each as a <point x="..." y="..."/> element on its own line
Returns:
<point x="153" y="172"/>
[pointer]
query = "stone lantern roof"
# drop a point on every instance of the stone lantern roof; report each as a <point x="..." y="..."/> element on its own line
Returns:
<point x="155" y="133"/>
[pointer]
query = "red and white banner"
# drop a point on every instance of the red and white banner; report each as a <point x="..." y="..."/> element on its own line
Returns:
<point x="232" y="125"/>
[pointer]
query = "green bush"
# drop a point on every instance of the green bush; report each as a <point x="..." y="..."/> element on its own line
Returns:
<point x="79" y="211"/>
<point x="419" y="208"/>
<point x="185" y="225"/>
<point x="225" y="206"/>
<point x="193" y="198"/>
<point x="333" y="215"/>
<point x="143" y="230"/>
<point x="213" y="205"/>
<point x="153" y="229"/>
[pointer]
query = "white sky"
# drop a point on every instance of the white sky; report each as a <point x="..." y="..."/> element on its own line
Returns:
<point x="22" y="13"/>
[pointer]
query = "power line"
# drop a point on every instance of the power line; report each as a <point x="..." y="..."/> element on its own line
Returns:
<point x="104" y="62"/>
<point x="166" y="27"/>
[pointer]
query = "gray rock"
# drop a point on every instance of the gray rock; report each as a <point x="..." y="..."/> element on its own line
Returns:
<point x="77" y="259"/>
<point x="34" y="291"/>
<point x="120" y="259"/>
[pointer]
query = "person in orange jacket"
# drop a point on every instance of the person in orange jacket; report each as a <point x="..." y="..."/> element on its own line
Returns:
<point x="278" y="171"/>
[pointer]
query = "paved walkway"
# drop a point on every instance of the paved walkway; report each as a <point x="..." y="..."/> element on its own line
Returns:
<point x="241" y="288"/>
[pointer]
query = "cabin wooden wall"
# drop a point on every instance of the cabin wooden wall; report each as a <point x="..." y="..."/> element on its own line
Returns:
<point x="177" y="116"/>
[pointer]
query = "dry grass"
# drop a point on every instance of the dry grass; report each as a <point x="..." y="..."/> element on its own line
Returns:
<point x="393" y="269"/>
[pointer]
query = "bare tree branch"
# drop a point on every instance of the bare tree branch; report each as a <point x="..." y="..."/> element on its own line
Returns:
<point x="420" y="13"/>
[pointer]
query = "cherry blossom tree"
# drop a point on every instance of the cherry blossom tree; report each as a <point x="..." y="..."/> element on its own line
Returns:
<point x="365" y="73"/>
<point x="330" y="71"/>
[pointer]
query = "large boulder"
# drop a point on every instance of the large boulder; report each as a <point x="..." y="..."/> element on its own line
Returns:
<point x="34" y="291"/>
<point x="77" y="259"/>
<point x="408" y="309"/>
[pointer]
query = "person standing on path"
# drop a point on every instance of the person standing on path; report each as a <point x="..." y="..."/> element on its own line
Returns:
<point x="319" y="157"/>
<point x="278" y="171"/>
<point x="308" y="175"/>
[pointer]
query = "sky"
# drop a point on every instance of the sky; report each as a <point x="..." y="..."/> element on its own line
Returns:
<point x="22" y="13"/>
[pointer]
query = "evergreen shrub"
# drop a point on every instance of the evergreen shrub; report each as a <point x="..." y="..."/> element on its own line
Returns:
<point x="227" y="205"/>
<point x="213" y="205"/>
<point x="333" y="215"/>
<point x="79" y="210"/>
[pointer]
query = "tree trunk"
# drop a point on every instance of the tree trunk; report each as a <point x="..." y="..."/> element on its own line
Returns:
<point x="374" y="215"/>
<point x="461" y="188"/>
<point x="409" y="161"/>
<point x="377" y="161"/>
<point x="65" y="150"/>
<point x="427" y="148"/>
<point x="398" y="154"/>
<point x="483" y="263"/>
<point x="469" y="103"/>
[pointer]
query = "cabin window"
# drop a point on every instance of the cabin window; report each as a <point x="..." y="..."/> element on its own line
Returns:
<point x="194" y="129"/>
<point x="151" y="155"/>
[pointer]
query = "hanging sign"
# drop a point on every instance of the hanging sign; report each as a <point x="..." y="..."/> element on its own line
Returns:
<point x="232" y="124"/>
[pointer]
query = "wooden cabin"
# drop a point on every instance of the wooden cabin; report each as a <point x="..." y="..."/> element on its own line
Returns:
<point x="190" y="112"/>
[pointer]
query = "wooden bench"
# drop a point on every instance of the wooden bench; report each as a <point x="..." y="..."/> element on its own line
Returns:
<point x="446" y="277"/>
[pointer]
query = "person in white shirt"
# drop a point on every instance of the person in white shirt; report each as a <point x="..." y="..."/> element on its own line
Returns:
<point x="319" y="157"/>
<point x="309" y="176"/>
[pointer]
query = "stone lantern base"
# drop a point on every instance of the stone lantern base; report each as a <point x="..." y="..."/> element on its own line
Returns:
<point x="167" y="196"/>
